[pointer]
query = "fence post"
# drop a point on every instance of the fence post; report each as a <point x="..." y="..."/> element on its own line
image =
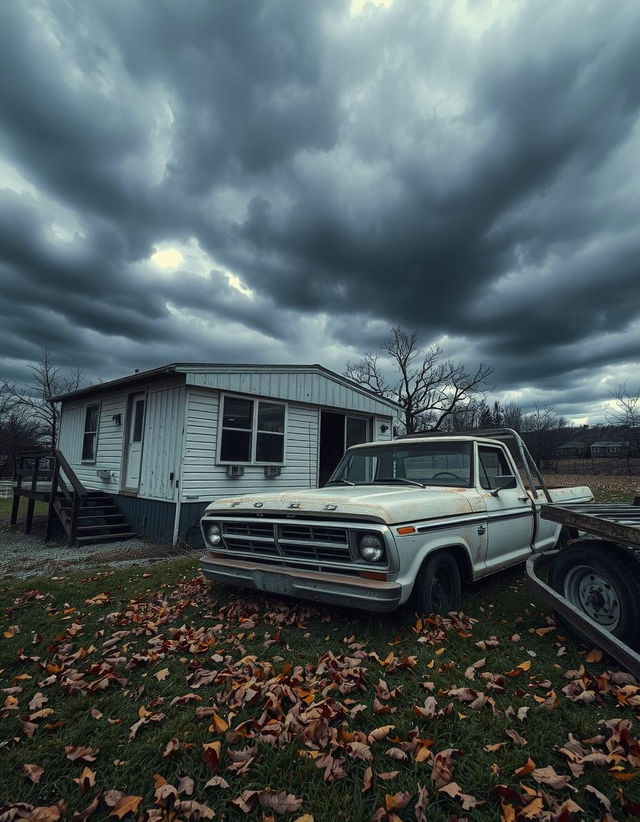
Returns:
<point x="32" y="502"/>
<point x="52" y="498"/>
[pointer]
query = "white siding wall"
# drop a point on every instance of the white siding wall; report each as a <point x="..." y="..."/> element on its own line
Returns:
<point x="110" y="437"/>
<point x="162" y="445"/>
<point x="297" y="386"/>
<point x="382" y="436"/>
<point x="203" y="479"/>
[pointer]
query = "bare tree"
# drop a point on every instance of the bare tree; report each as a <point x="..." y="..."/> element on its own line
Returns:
<point x="544" y="431"/>
<point x="512" y="415"/>
<point x="34" y="398"/>
<point x="625" y="414"/>
<point x="429" y="389"/>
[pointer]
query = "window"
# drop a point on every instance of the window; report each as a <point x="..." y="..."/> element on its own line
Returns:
<point x="90" y="439"/>
<point x="138" y="419"/>
<point x="493" y="464"/>
<point x="431" y="463"/>
<point x="252" y="431"/>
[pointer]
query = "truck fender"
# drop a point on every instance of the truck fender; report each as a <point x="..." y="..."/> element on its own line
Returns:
<point x="456" y="544"/>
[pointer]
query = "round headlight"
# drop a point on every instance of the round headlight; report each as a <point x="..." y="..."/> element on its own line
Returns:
<point x="212" y="533"/>
<point x="371" y="547"/>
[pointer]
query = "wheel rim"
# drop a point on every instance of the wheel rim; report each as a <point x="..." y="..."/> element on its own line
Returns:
<point x="595" y="594"/>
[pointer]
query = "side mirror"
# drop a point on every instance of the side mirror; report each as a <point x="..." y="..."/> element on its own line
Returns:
<point x="502" y="483"/>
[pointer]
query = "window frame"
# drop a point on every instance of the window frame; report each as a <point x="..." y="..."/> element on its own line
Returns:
<point x="92" y="460"/>
<point x="254" y="430"/>
<point x="481" y="469"/>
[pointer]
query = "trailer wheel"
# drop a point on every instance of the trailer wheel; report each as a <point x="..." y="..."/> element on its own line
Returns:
<point x="438" y="586"/>
<point x="604" y="584"/>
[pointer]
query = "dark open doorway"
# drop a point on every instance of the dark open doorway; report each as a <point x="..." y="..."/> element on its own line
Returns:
<point x="337" y="433"/>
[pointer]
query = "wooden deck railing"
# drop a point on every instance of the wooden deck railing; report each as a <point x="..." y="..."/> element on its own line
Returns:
<point x="47" y="476"/>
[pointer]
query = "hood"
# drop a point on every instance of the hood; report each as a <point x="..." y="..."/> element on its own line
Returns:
<point x="389" y="504"/>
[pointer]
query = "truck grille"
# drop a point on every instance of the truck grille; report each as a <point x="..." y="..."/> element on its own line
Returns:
<point x="289" y="540"/>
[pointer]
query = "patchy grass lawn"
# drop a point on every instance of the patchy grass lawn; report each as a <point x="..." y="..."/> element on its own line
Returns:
<point x="605" y="487"/>
<point x="147" y="694"/>
<point x="40" y="509"/>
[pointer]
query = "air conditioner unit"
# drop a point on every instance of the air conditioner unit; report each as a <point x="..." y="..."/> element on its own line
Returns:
<point x="271" y="471"/>
<point x="104" y="475"/>
<point x="235" y="471"/>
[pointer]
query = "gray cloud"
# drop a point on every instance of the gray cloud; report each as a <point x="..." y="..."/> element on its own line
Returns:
<point x="325" y="175"/>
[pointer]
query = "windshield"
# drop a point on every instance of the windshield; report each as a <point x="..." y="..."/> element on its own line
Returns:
<point x="420" y="463"/>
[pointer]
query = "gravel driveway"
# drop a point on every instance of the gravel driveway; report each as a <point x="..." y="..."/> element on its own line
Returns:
<point x="25" y="555"/>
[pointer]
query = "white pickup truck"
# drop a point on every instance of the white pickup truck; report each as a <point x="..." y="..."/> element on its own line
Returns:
<point x="416" y="516"/>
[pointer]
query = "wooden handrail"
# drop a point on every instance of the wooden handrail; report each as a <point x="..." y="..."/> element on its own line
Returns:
<point x="70" y="474"/>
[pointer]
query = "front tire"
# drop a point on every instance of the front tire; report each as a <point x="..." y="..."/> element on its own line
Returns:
<point x="438" y="586"/>
<point x="603" y="583"/>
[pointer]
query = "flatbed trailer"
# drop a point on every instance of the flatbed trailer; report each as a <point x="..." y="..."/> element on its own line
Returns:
<point x="594" y="580"/>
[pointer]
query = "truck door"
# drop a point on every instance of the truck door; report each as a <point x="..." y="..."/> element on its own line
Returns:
<point x="509" y="512"/>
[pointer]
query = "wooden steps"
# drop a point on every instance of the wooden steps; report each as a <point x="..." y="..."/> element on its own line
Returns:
<point x="87" y="516"/>
<point x="98" y="519"/>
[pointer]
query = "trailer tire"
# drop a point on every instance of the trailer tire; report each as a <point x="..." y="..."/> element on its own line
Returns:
<point x="603" y="582"/>
<point x="438" y="586"/>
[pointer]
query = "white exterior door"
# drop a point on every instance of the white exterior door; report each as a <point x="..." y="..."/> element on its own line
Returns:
<point x="134" y="441"/>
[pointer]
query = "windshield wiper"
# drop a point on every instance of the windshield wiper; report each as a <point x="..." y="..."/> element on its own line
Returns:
<point x="338" y="481"/>
<point x="403" y="480"/>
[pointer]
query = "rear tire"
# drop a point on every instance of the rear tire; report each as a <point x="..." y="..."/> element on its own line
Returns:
<point x="438" y="586"/>
<point x="603" y="583"/>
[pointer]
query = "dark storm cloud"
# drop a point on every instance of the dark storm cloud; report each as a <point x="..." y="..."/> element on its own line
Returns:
<point x="430" y="165"/>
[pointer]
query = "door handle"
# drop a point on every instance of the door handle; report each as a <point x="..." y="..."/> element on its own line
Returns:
<point x="524" y="499"/>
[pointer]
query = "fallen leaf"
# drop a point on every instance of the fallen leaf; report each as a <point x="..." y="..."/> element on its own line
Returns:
<point x="172" y="746"/>
<point x="81" y="752"/>
<point x="526" y="768"/>
<point x="533" y="809"/>
<point x="387" y="776"/>
<point x="33" y="772"/>
<point x="519" y="669"/>
<point x="86" y="780"/>
<point x="186" y="785"/>
<point x="548" y="776"/>
<point x="420" y="808"/>
<point x="453" y="790"/>
<point x="280" y="802"/>
<point x="217" y="782"/>
<point x="397" y="801"/>
<point x="594" y="655"/>
<point x="380" y="733"/>
<point x="599" y="796"/>
<point x="128" y="804"/>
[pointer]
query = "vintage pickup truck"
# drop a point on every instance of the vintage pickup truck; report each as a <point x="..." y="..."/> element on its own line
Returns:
<point x="417" y="516"/>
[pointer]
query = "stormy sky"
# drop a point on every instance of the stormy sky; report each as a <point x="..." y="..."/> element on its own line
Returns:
<point x="283" y="181"/>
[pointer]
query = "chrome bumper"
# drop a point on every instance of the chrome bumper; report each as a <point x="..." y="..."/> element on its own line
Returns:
<point x="336" y="589"/>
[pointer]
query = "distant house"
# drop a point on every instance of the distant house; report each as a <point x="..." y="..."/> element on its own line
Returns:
<point x="574" y="448"/>
<point x="163" y="443"/>
<point x="604" y="448"/>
